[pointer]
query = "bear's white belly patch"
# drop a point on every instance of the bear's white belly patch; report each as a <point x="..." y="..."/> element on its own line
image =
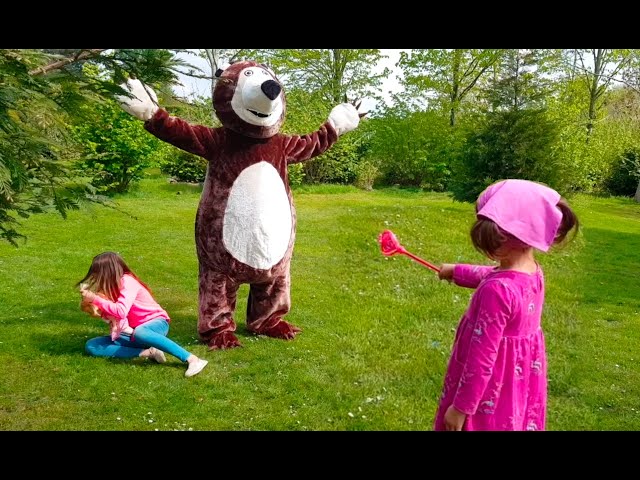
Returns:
<point x="257" y="220"/>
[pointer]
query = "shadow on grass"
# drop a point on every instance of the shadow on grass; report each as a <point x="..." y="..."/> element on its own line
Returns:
<point x="60" y="344"/>
<point x="76" y="328"/>
<point x="611" y="262"/>
<point x="180" y="188"/>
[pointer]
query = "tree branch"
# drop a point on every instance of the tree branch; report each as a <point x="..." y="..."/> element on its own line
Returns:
<point x="66" y="61"/>
<point x="195" y="75"/>
<point x="587" y="73"/>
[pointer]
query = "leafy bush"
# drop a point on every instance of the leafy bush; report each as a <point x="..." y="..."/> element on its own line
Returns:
<point x="587" y="163"/>
<point x="336" y="165"/>
<point x="366" y="175"/>
<point x="296" y="175"/>
<point x="116" y="149"/>
<point x="184" y="166"/>
<point x="414" y="149"/>
<point x="625" y="174"/>
<point x="509" y="144"/>
<point x="306" y="112"/>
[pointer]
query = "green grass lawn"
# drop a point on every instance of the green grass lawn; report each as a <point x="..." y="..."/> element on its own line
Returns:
<point x="377" y="330"/>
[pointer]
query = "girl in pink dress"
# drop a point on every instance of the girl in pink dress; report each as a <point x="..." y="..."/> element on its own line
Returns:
<point x="497" y="374"/>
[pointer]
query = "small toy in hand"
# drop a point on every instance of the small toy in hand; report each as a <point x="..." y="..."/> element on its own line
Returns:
<point x="390" y="245"/>
<point x="89" y="307"/>
<point x="116" y="326"/>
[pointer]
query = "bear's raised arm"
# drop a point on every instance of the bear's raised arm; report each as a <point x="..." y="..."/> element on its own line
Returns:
<point x="299" y="148"/>
<point x="342" y="119"/>
<point x="196" y="139"/>
<point x="143" y="104"/>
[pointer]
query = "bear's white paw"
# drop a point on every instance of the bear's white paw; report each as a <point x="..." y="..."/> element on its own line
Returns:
<point x="344" y="118"/>
<point x="144" y="103"/>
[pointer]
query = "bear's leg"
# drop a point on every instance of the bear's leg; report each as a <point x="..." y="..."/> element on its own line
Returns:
<point x="217" y="302"/>
<point x="267" y="304"/>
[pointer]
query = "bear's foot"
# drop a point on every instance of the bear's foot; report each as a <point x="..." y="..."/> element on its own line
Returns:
<point x="282" y="329"/>
<point x="223" y="340"/>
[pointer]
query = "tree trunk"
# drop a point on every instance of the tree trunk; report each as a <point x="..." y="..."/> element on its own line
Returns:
<point x="598" y="55"/>
<point x="592" y="115"/>
<point x="455" y="85"/>
<point x="637" y="195"/>
<point x="336" y="80"/>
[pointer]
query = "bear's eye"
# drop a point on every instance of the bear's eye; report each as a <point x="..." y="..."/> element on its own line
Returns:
<point x="248" y="73"/>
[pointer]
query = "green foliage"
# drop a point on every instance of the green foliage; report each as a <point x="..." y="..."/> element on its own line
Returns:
<point x="585" y="161"/>
<point x="444" y="77"/>
<point x="116" y="148"/>
<point x="511" y="144"/>
<point x="519" y="82"/>
<point x="198" y="111"/>
<point x="625" y="174"/>
<point x="152" y="65"/>
<point x="296" y="175"/>
<point x="337" y="165"/>
<point x="413" y="149"/>
<point x="183" y="166"/>
<point x="366" y="175"/>
<point x="306" y="112"/>
<point x="332" y="73"/>
<point x="596" y="69"/>
<point x="575" y="165"/>
<point x="607" y="143"/>
<point x="36" y="153"/>
<point x="42" y="93"/>
<point x="618" y="139"/>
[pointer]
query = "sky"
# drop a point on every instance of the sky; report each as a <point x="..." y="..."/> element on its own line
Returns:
<point x="202" y="87"/>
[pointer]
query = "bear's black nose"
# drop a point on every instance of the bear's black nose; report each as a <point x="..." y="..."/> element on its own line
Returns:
<point x="271" y="89"/>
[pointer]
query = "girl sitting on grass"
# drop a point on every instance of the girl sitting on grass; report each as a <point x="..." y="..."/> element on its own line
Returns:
<point x="127" y="298"/>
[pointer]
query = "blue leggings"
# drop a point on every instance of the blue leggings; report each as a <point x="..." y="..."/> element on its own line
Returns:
<point x="150" y="334"/>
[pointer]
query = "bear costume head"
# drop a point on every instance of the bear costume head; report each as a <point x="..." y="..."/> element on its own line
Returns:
<point x="249" y="99"/>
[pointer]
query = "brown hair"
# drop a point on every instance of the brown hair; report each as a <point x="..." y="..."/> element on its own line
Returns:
<point x="105" y="274"/>
<point x="569" y="221"/>
<point x="487" y="237"/>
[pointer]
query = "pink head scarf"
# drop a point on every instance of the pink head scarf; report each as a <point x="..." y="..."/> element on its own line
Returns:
<point x="527" y="210"/>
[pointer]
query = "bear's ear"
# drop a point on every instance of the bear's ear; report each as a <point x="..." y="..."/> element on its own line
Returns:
<point x="223" y="66"/>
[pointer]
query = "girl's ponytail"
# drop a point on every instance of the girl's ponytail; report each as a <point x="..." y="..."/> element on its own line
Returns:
<point x="569" y="221"/>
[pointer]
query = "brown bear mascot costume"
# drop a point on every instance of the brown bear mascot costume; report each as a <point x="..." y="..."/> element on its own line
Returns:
<point x="246" y="221"/>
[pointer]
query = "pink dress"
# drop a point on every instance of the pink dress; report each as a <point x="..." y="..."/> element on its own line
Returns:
<point x="497" y="373"/>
